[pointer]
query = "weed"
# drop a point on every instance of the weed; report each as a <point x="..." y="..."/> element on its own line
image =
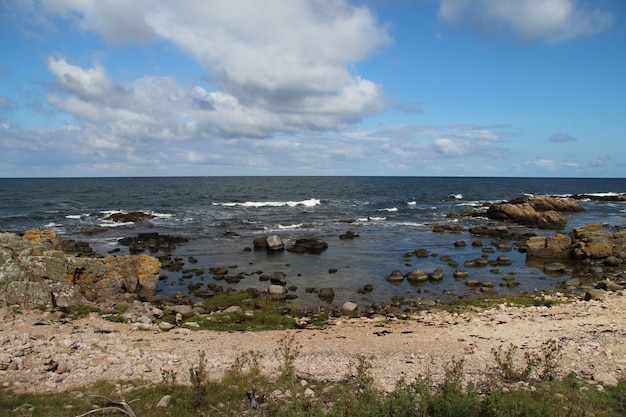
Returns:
<point x="541" y="366"/>
<point x="287" y="352"/>
<point x="168" y="377"/>
<point x="197" y="378"/>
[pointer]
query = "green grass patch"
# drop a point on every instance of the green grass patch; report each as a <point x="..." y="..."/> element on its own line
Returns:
<point x="522" y="300"/>
<point x="356" y="395"/>
<point x="76" y="312"/>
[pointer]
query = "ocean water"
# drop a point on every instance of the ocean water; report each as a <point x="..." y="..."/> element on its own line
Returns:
<point x="223" y="215"/>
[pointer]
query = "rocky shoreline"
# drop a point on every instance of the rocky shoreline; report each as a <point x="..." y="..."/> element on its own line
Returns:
<point x="38" y="268"/>
<point x="44" y="350"/>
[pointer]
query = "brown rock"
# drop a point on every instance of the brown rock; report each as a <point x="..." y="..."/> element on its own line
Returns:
<point x="541" y="212"/>
<point x="557" y="247"/>
<point x="133" y="217"/>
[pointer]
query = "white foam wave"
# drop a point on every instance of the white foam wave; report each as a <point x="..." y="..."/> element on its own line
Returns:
<point x="256" y="204"/>
<point x="457" y="196"/>
<point x="411" y="203"/>
<point x="390" y="209"/>
<point x="162" y="215"/>
<point x="411" y="224"/>
<point x="290" y="226"/>
<point x="108" y="223"/>
<point x="371" y="219"/>
<point x="73" y="216"/>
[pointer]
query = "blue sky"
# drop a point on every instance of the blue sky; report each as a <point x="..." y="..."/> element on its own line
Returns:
<point x="321" y="87"/>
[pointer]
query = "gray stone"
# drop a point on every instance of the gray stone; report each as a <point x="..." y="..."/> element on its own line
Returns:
<point x="395" y="276"/>
<point x="349" y="307"/>
<point x="275" y="243"/>
<point x="606" y="379"/>
<point x="164" y="402"/>
<point x="417" y="276"/>
<point x="276" y="290"/>
<point x="181" y="309"/>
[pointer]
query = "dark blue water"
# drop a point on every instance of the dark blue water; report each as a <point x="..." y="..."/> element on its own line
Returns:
<point x="392" y="215"/>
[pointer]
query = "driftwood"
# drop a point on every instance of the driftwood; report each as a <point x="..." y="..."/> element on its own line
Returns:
<point x="120" y="406"/>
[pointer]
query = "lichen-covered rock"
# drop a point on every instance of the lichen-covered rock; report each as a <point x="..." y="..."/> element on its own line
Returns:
<point x="556" y="247"/>
<point x="32" y="273"/>
<point x="593" y="242"/>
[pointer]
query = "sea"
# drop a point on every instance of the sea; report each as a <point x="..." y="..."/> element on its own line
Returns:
<point x="221" y="217"/>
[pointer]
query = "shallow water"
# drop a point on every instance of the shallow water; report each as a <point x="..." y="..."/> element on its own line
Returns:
<point x="222" y="215"/>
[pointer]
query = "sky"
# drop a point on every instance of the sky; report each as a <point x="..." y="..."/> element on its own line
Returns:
<point x="497" y="88"/>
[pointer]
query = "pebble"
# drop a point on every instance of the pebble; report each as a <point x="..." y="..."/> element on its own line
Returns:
<point x="501" y="318"/>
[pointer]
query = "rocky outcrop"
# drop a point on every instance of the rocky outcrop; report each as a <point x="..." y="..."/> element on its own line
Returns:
<point x="590" y="241"/>
<point x="33" y="272"/>
<point x="594" y="242"/>
<point x="602" y="197"/>
<point x="542" y="212"/>
<point x="304" y="245"/>
<point x="153" y="242"/>
<point x="309" y="245"/>
<point x="135" y="216"/>
<point x="556" y="247"/>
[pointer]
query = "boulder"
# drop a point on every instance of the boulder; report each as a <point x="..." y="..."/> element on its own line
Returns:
<point x="278" y="278"/>
<point x="309" y="245"/>
<point x="32" y="273"/>
<point x="395" y="276"/>
<point x="349" y="307"/>
<point x="541" y="211"/>
<point x="416" y="276"/>
<point x="349" y="235"/>
<point x="593" y="242"/>
<point x="132" y="217"/>
<point x="557" y="247"/>
<point x="275" y="243"/>
<point x="326" y="294"/>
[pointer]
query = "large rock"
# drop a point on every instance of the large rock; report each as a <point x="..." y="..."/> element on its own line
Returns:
<point x="135" y="216"/>
<point x="32" y="273"/>
<point x="593" y="242"/>
<point x="556" y="247"/>
<point x="541" y="212"/>
<point x="275" y="243"/>
<point x="309" y="245"/>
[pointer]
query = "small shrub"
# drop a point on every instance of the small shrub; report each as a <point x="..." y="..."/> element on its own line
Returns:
<point x="287" y="352"/>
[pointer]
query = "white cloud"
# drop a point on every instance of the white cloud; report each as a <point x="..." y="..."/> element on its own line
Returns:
<point x="528" y="20"/>
<point x="280" y="68"/>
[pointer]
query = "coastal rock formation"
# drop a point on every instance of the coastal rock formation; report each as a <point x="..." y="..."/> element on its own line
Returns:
<point x="556" y="247"/>
<point x="593" y="242"/>
<point x="585" y="242"/>
<point x="603" y="197"/>
<point x="154" y="242"/>
<point x="33" y="272"/>
<point x="135" y="216"/>
<point x="309" y="245"/>
<point x="541" y="211"/>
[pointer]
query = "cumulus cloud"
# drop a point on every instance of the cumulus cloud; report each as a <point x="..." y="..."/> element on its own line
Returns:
<point x="528" y="20"/>
<point x="423" y="143"/>
<point x="280" y="68"/>
<point x="562" y="137"/>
